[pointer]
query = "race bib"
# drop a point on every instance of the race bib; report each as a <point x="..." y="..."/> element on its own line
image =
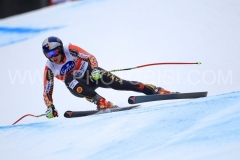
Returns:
<point x="80" y="73"/>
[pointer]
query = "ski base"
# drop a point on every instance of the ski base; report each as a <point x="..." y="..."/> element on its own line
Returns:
<point x="157" y="97"/>
<point x="72" y="114"/>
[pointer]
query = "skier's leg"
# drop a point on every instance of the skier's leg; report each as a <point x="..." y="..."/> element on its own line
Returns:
<point x="78" y="87"/>
<point x="81" y="88"/>
<point x="107" y="79"/>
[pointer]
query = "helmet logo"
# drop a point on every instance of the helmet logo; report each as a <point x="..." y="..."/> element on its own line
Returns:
<point x="48" y="45"/>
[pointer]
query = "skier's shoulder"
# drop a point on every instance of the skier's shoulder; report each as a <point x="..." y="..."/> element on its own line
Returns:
<point x="75" y="48"/>
<point x="76" y="51"/>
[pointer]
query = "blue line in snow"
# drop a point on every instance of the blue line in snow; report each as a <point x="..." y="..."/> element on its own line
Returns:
<point x="25" y="30"/>
<point x="11" y="35"/>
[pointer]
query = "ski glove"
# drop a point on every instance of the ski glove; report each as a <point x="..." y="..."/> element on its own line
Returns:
<point x="96" y="74"/>
<point x="51" y="112"/>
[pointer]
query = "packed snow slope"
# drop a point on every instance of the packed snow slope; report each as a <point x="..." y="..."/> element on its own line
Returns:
<point x="205" y="128"/>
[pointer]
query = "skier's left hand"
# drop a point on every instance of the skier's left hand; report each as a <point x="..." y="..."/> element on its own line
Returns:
<point x="51" y="112"/>
<point x="96" y="74"/>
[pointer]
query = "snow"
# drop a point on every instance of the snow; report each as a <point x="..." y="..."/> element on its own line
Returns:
<point x="206" y="128"/>
<point x="123" y="34"/>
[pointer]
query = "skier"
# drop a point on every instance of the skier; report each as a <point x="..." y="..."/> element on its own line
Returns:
<point x="82" y="76"/>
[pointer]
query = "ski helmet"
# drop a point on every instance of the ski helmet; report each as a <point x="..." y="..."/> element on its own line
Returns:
<point x="52" y="43"/>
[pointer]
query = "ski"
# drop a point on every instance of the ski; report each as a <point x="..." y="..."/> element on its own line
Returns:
<point x="157" y="97"/>
<point x="72" y="114"/>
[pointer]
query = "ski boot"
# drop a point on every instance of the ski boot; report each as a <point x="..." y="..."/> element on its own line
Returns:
<point x="102" y="103"/>
<point x="159" y="90"/>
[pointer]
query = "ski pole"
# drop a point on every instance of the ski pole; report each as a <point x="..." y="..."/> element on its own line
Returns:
<point x="153" y="64"/>
<point x="28" y="115"/>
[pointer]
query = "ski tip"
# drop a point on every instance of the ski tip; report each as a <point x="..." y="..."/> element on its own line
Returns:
<point x="131" y="100"/>
<point x="68" y="114"/>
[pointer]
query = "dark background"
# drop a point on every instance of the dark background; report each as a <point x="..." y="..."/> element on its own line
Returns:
<point x="13" y="7"/>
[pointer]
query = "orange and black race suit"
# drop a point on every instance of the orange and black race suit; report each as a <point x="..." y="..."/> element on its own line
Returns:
<point x="76" y="62"/>
<point x="75" y="72"/>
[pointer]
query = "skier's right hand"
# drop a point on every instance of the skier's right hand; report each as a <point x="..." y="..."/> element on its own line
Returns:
<point x="51" y="112"/>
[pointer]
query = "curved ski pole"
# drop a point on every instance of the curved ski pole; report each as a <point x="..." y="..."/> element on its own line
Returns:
<point x="153" y="64"/>
<point x="28" y="115"/>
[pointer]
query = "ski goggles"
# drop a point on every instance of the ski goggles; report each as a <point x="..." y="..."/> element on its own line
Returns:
<point x="52" y="53"/>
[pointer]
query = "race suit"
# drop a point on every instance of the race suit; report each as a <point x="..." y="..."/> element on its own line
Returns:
<point x="77" y="61"/>
<point x="75" y="73"/>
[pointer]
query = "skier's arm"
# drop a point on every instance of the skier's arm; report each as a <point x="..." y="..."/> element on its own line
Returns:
<point x="48" y="82"/>
<point x="81" y="53"/>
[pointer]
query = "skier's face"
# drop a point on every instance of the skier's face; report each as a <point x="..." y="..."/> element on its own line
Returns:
<point x="54" y="56"/>
<point x="56" y="59"/>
